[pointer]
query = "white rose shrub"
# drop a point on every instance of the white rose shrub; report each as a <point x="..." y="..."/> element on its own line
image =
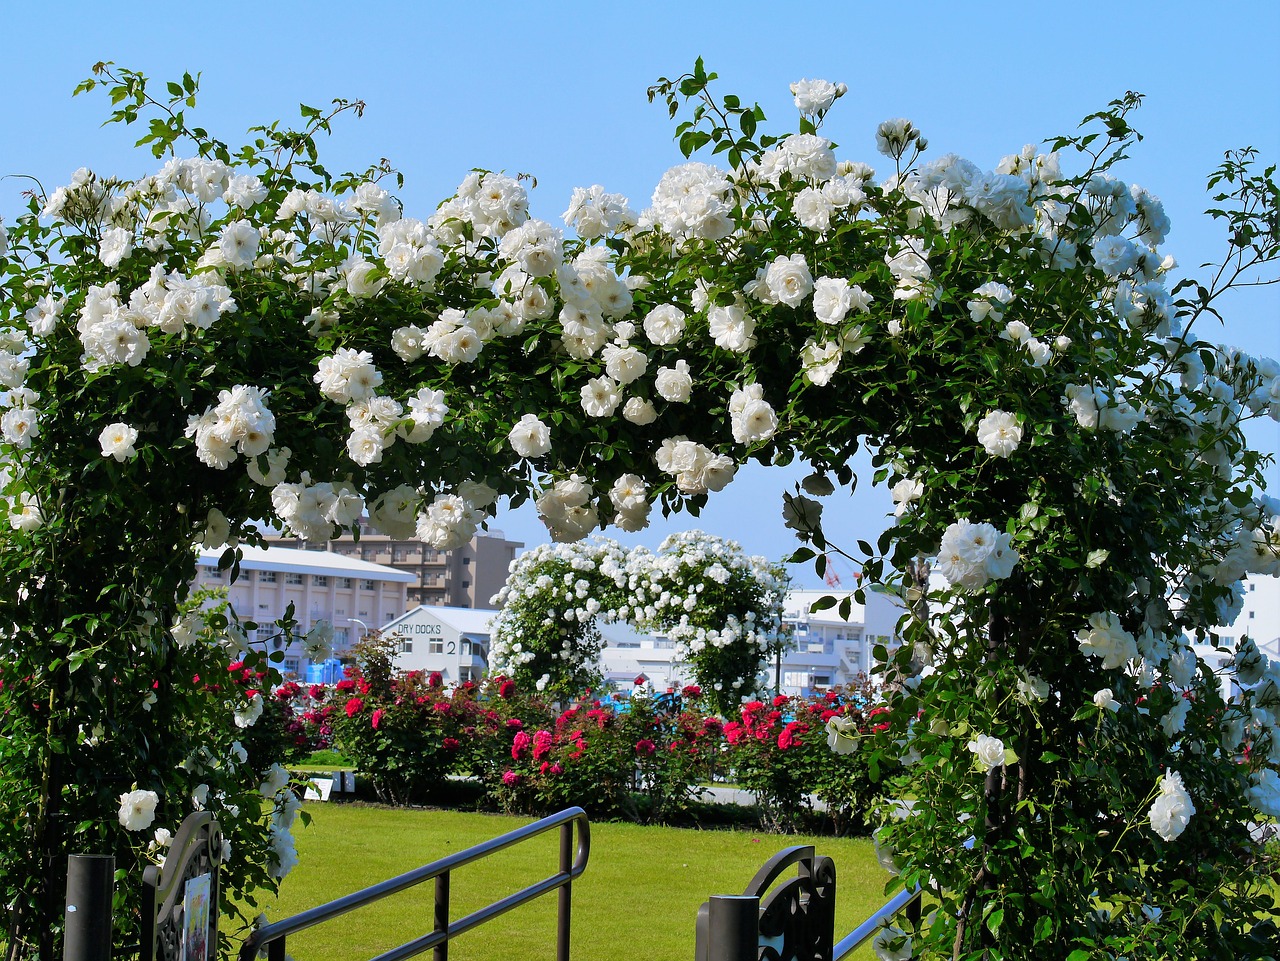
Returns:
<point x="238" y="336"/>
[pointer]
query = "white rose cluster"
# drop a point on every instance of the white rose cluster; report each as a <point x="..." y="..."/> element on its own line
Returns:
<point x="593" y="212"/>
<point x="813" y="98"/>
<point x="240" y="423"/>
<point x="1107" y="640"/>
<point x="695" y="467"/>
<point x="566" y="508"/>
<point x="971" y="555"/>
<point x="316" y="512"/>
<point x="752" y="419"/>
<point x="693" y="201"/>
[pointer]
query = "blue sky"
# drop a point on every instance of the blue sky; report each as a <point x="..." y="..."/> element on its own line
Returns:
<point x="558" y="91"/>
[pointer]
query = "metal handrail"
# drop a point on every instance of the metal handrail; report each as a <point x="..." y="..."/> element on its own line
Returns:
<point x="911" y="901"/>
<point x="272" y="936"/>
<point x="868" y="928"/>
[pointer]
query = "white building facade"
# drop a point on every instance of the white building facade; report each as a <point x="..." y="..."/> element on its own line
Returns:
<point x="1259" y="619"/>
<point x="451" y="640"/>
<point x="352" y="595"/>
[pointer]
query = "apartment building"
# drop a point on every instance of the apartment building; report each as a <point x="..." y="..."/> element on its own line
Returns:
<point x="1259" y="619"/>
<point x="466" y="577"/>
<point x="351" y="594"/>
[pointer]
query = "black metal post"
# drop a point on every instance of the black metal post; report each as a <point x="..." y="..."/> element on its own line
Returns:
<point x="90" y="883"/>
<point x="733" y="927"/>
<point x="566" y="892"/>
<point x="441" y="952"/>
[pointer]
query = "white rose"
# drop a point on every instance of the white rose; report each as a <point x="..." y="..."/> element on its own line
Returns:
<point x="664" y="325"/>
<point x="841" y="734"/>
<point x="530" y="437"/>
<point x="788" y="280"/>
<point x="238" y="243"/>
<point x="999" y="433"/>
<point x="674" y="384"/>
<point x="1172" y="810"/>
<point x="1105" y="638"/>
<point x="600" y="397"/>
<point x="814" y="97"/>
<point x="361" y="282"/>
<point x="800" y="513"/>
<point x="1264" y="792"/>
<point x="624" y="364"/>
<point x="639" y="411"/>
<point x="833" y="298"/>
<point x="116" y="244"/>
<point x="1105" y="700"/>
<point x="137" y="810"/>
<point x="117" y="441"/>
<point x="731" y="328"/>
<point x="904" y="492"/>
<point x="756" y="422"/>
<point x="990" y="751"/>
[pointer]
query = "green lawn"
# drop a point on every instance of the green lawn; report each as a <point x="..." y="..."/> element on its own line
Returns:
<point x="637" y="899"/>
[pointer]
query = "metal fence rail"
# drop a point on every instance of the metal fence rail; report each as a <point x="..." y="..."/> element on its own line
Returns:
<point x="572" y="864"/>
<point x="903" y="900"/>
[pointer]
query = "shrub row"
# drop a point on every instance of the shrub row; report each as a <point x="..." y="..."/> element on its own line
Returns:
<point x="646" y="757"/>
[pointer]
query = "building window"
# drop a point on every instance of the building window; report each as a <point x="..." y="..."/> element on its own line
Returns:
<point x="213" y="574"/>
<point x="406" y="646"/>
<point x="267" y="577"/>
<point x="344" y="582"/>
<point x="465" y="585"/>
<point x="466" y="562"/>
<point x="363" y="614"/>
<point x="435" y="645"/>
<point x="319" y="580"/>
<point x="1251" y="613"/>
<point x="366" y="585"/>
<point x="292" y="578"/>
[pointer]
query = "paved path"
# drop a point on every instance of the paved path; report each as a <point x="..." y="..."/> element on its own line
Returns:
<point x="736" y="795"/>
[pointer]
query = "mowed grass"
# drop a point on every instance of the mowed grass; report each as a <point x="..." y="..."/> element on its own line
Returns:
<point x="638" y="898"/>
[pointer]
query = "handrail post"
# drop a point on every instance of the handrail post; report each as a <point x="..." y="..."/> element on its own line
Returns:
<point x="441" y="952"/>
<point x="90" y="882"/>
<point x="565" y="893"/>
<point x="733" y="932"/>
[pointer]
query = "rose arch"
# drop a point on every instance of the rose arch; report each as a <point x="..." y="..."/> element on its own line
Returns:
<point x="721" y="607"/>
<point x="245" y="337"/>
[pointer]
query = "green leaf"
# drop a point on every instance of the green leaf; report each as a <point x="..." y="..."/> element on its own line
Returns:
<point x="994" y="920"/>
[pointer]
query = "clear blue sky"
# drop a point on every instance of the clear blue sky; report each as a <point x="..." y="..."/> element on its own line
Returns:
<point x="558" y="90"/>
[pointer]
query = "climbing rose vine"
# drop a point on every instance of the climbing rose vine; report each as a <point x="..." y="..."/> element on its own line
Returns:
<point x="243" y="336"/>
